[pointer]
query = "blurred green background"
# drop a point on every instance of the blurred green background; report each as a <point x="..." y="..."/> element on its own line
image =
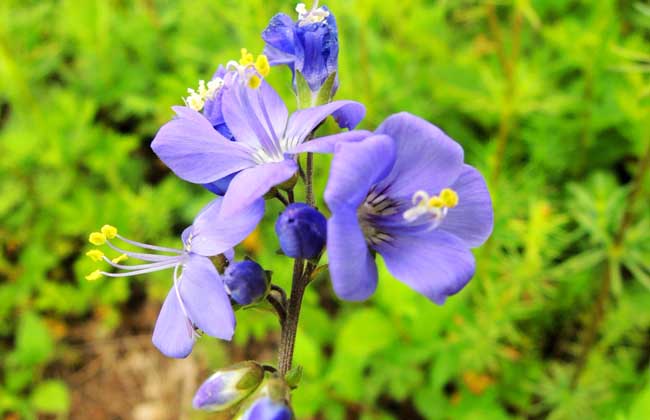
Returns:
<point x="550" y="99"/>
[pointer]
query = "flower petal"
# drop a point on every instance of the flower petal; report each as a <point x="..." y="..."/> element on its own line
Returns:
<point x="472" y="219"/>
<point x="352" y="268"/>
<point x="279" y="35"/>
<point x="355" y="168"/>
<point x="205" y="298"/>
<point x="251" y="184"/>
<point x="173" y="334"/>
<point x="326" y="144"/>
<point x="213" y="234"/>
<point x="256" y="117"/>
<point x="427" y="159"/>
<point x="192" y="148"/>
<point x="303" y="121"/>
<point x="435" y="263"/>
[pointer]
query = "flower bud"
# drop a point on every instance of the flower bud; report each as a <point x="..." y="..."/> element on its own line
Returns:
<point x="246" y="282"/>
<point x="229" y="386"/>
<point x="309" y="46"/>
<point x="302" y="231"/>
<point x="266" y="409"/>
<point x="270" y="402"/>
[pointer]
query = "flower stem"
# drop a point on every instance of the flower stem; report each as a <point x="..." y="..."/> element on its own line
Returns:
<point x="309" y="187"/>
<point x="299" y="282"/>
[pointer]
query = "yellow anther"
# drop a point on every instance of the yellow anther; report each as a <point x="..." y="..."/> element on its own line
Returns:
<point x="254" y="82"/>
<point x="449" y="197"/>
<point x="94" y="275"/>
<point x="95" y="254"/>
<point x="97" y="238"/>
<point x="262" y="65"/>
<point x="246" y="57"/>
<point x="119" y="259"/>
<point x="109" y="231"/>
<point x="436" y="202"/>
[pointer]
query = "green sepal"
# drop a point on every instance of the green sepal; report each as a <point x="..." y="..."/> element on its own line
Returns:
<point x="294" y="376"/>
<point x="324" y="95"/>
<point x="303" y="92"/>
<point x="308" y="98"/>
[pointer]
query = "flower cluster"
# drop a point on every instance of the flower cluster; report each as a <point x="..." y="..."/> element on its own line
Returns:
<point x="401" y="191"/>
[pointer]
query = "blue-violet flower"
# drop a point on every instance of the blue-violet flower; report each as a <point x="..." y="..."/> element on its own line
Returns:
<point x="198" y="298"/>
<point x="405" y="193"/>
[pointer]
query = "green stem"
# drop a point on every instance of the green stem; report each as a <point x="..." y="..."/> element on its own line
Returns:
<point x="300" y="279"/>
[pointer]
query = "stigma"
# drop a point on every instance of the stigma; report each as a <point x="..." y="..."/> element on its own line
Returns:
<point x="315" y="15"/>
<point x="430" y="209"/>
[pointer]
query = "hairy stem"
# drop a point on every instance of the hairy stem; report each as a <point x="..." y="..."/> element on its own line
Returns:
<point x="300" y="279"/>
<point x="309" y="187"/>
<point x="290" y="327"/>
<point x="603" y="294"/>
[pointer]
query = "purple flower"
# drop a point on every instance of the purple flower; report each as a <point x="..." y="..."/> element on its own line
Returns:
<point x="309" y="45"/>
<point x="267" y="409"/>
<point x="405" y="194"/>
<point x="302" y="231"/>
<point x="228" y="386"/>
<point x="266" y="140"/>
<point x="246" y="282"/>
<point x="198" y="298"/>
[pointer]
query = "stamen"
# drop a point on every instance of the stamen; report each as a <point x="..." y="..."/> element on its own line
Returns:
<point x="94" y="275"/>
<point x="148" y="246"/>
<point x="139" y="255"/>
<point x="95" y="255"/>
<point x="262" y="65"/>
<point x="152" y="267"/>
<point x="161" y="264"/>
<point x="246" y="57"/>
<point x="109" y="231"/>
<point x="431" y="209"/>
<point x="97" y="238"/>
<point x="315" y="15"/>
<point x="120" y="258"/>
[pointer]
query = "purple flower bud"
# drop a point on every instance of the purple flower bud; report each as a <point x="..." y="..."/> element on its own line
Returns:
<point x="308" y="45"/>
<point x="228" y="386"/>
<point x="267" y="409"/>
<point x="302" y="231"/>
<point x="246" y="281"/>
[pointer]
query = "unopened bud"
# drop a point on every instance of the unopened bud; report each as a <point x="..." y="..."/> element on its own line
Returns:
<point x="302" y="231"/>
<point x="270" y="402"/>
<point x="267" y="409"/>
<point x="228" y="386"/>
<point x="246" y="281"/>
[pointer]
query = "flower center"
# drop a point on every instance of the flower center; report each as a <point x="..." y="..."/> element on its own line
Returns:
<point x="249" y="69"/>
<point x="314" y="15"/>
<point x="376" y="205"/>
<point x="196" y="99"/>
<point x="430" y="209"/>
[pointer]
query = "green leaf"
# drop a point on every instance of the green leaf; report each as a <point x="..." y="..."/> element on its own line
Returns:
<point x="33" y="342"/>
<point x="51" y="397"/>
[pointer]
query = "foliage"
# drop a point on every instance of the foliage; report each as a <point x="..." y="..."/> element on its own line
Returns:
<point x="550" y="100"/>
